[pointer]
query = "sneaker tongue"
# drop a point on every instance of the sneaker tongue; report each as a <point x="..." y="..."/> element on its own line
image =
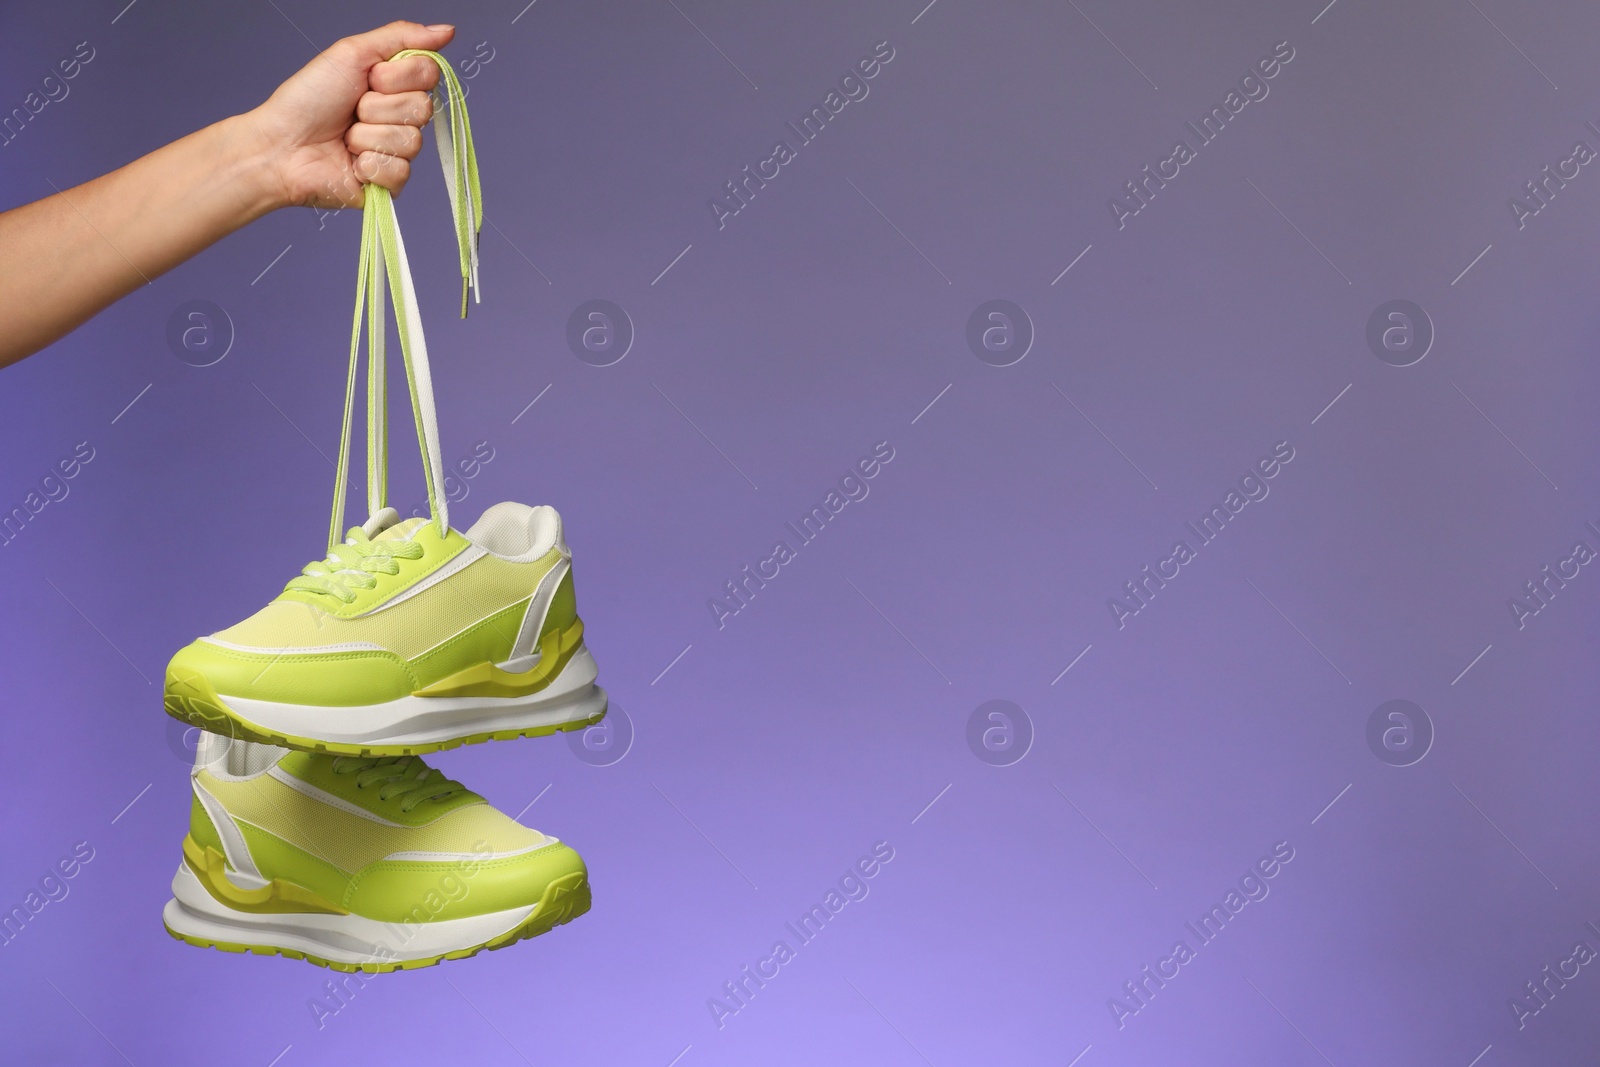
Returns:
<point x="400" y="531"/>
<point x="386" y="525"/>
<point x="381" y="519"/>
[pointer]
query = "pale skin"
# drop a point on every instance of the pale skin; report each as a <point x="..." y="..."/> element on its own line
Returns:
<point x="348" y="117"/>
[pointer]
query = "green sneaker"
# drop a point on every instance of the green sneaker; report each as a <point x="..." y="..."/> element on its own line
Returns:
<point x="404" y="641"/>
<point x="358" y="864"/>
<point x="410" y="636"/>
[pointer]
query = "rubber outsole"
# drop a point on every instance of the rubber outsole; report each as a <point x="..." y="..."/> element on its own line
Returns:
<point x="563" y="900"/>
<point x="191" y="699"/>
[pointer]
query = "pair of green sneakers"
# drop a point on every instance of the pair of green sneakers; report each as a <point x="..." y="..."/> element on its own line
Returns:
<point x="316" y="830"/>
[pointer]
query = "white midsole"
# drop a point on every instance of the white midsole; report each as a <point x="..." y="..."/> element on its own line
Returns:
<point x="341" y="938"/>
<point x="571" y="697"/>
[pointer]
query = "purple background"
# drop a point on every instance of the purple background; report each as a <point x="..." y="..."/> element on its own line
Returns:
<point x="830" y="712"/>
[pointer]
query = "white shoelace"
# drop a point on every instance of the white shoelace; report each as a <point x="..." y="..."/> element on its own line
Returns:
<point x="383" y="253"/>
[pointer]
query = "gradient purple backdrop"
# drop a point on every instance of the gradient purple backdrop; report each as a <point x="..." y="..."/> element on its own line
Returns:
<point x="827" y="714"/>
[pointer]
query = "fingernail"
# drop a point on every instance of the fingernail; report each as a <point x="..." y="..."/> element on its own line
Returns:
<point x="441" y="26"/>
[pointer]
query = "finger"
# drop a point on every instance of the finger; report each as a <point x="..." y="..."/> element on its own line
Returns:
<point x="404" y="75"/>
<point x="402" y="141"/>
<point x="409" y="109"/>
<point x="379" y="168"/>
<point x="346" y="193"/>
<point x="377" y="45"/>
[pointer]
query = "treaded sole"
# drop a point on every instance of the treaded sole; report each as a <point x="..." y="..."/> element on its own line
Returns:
<point x="563" y="900"/>
<point x="192" y="700"/>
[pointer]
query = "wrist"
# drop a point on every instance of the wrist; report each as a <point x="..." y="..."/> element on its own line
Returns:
<point x="251" y="165"/>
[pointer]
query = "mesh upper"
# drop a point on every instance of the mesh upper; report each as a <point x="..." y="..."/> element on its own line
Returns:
<point x="351" y="842"/>
<point x="407" y="628"/>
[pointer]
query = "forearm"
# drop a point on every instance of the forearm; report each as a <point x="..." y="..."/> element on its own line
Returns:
<point x="64" y="258"/>
<point x="349" y="118"/>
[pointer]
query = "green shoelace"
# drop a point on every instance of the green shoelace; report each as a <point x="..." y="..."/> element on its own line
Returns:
<point x="353" y="564"/>
<point x="383" y="256"/>
<point x="405" y="777"/>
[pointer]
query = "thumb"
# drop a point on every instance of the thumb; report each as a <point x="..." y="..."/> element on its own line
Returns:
<point x="376" y="46"/>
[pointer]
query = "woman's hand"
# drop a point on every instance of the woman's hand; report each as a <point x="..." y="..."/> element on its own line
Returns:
<point x="350" y="117"/>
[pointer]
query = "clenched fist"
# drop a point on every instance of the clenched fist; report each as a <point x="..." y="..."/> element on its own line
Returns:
<point x="351" y="116"/>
